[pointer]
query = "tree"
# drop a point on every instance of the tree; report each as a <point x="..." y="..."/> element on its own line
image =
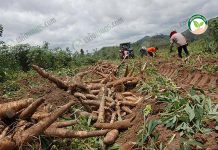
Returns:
<point x="45" y="45"/>
<point x="82" y="52"/>
<point x="22" y="56"/>
<point x="213" y="32"/>
<point x="1" y="29"/>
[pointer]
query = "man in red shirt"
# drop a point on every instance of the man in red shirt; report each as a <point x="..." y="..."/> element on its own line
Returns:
<point x="152" y="51"/>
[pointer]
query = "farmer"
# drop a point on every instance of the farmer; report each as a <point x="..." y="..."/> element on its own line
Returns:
<point x="143" y="52"/>
<point x="152" y="51"/>
<point x="181" y="42"/>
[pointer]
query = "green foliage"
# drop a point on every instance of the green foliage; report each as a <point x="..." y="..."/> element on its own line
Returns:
<point x="188" y="144"/>
<point x="1" y="30"/>
<point x="147" y="131"/>
<point x="21" y="57"/>
<point x="187" y="115"/>
<point x="156" y="84"/>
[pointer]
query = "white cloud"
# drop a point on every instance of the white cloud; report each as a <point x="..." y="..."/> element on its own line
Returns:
<point x="76" y="19"/>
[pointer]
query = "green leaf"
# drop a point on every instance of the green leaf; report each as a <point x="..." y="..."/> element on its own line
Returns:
<point x="190" y="111"/>
<point x="201" y="24"/>
<point x="147" y="110"/>
<point x="195" y="143"/>
<point x="196" y="24"/>
<point x="114" y="147"/>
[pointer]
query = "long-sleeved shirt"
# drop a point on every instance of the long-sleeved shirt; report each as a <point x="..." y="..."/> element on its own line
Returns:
<point x="179" y="39"/>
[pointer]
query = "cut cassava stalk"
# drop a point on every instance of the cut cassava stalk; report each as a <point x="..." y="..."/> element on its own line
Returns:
<point x="131" y="72"/>
<point x="101" y="110"/>
<point x="120" y="81"/>
<point x="124" y="124"/>
<point x="111" y="137"/>
<point x="51" y="78"/>
<point x="113" y="117"/>
<point x="66" y="133"/>
<point x="38" y="128"/>
<point x="64" y="124"/>
<point x="4" y="133"/>
<point x="118" y="111"/>
<point x="82" y="74"/>
<point x="78" y="86"/>
<point x="29" y="111"/>
<point x="9" y="110"/>
<point x="126" y="71"/>
<point x="105" y="80"/>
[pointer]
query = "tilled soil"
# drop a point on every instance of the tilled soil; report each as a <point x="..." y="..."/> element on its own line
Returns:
<point x="184" y="78"/>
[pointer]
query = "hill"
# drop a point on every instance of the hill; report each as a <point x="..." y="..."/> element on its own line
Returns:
<point x="162" y="40"/>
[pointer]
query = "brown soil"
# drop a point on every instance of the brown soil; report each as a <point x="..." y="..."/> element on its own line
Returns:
<point x="183" y="77"/>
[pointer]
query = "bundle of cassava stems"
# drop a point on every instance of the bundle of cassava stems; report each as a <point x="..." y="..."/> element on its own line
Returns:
<point x="107" y="100"/>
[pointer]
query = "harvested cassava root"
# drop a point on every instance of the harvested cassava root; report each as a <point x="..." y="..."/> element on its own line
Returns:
<point x="104" y="99"/>
<point x="111" y="137"/>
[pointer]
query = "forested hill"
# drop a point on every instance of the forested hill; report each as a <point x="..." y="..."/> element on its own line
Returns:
<point x="163" y="40"/>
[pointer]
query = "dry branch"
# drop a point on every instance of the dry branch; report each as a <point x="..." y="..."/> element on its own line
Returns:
<point x="120" y="81"/>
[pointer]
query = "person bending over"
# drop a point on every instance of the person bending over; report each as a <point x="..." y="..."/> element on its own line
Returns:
<point x="152" y="51"/>
<point x="181" y="42"/>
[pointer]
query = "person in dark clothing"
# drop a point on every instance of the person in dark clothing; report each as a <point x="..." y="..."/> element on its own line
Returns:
<point x="181" y="42"/>
<point x="143" y="52"/>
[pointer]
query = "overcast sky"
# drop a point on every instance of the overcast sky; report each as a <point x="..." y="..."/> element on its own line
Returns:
<point x="73" y="20"/>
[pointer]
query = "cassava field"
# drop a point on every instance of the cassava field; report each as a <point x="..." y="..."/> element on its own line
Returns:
<point x="53" y="99"/>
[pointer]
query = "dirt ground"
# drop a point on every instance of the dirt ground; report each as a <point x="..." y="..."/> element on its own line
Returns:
<point x="185" y="78"/>
<point x="182" y="76"/>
